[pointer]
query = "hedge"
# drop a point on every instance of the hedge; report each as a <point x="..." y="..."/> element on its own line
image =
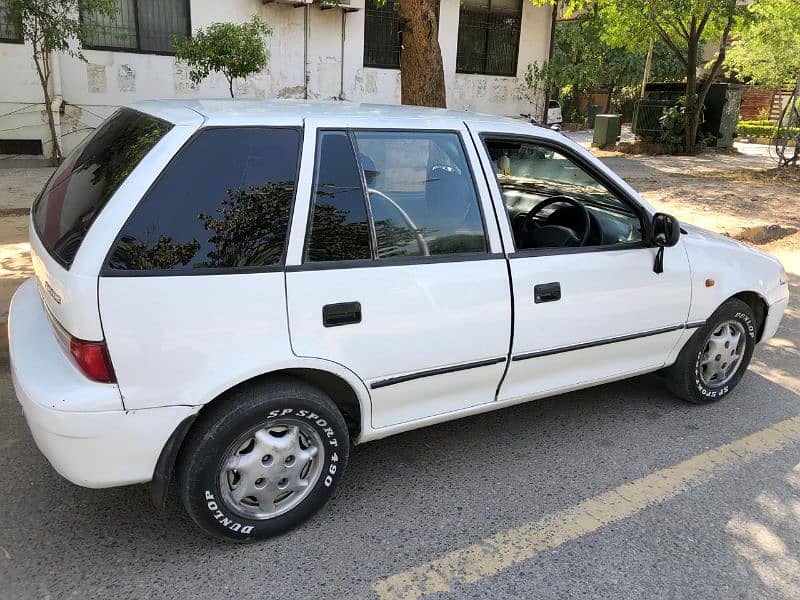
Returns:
<point x="764" y="128"/>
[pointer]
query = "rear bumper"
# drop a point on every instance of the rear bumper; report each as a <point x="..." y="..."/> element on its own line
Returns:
<point x="79" y="425"/>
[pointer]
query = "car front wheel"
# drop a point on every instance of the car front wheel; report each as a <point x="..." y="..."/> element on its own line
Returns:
<point x="262" y="460"/>
<point x="715" y="358"/>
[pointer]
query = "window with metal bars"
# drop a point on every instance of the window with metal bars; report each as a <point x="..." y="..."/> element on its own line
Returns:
<point x="488" y="37"/>
<point x="139" y="26"/>
<point x="10" y="28"/>
<point x="383" y="38"/>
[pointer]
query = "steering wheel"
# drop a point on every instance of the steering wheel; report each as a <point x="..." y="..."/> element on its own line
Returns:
<point x="555" y="236"/>
<point x="421" y="243"/>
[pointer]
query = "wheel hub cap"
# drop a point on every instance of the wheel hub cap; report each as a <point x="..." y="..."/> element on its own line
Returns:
<point x="722" y="354"/>
<point x="271" y="469"/>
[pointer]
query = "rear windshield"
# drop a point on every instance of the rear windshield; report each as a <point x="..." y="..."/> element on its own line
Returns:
<point x="86" y="180"/>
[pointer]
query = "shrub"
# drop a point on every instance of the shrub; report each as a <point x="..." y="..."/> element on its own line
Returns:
<point x="765" y="128"/>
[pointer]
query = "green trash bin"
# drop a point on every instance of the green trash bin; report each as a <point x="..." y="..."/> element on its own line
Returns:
<point x="606" y="130"/>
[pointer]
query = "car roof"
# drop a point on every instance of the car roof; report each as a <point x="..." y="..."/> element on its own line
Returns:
<point x="240" y="111"/>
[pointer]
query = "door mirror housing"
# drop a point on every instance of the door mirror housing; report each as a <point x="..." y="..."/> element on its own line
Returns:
<point x="665" y="230"/>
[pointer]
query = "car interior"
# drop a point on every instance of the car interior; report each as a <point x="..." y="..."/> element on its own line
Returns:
<point x="553" y="203"/>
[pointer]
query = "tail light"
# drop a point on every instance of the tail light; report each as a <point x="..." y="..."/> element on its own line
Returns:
<point x="93" y="359"/>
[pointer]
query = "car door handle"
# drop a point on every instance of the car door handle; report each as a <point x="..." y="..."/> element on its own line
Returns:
<point x="547" y="292"/>
<point x="342" y="313"/>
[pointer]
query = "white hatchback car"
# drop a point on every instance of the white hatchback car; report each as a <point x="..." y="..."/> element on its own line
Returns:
<point x="237" y="291"/>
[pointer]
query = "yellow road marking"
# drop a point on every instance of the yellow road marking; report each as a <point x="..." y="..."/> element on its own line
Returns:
<point x="507" y="548"/>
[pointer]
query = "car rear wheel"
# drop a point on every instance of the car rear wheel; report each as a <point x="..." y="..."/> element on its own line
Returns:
<point x="715" y="358"/>
<point x="262" y="460"/>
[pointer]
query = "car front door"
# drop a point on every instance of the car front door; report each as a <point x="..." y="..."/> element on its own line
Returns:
<point x="585" y="310"/>
<point x="395" y="269"/>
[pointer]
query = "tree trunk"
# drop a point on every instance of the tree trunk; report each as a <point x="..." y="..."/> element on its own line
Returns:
<point x="421" y="71"/>
<point x="43" y="70"/>
<point x="230" y="85"/>
<point x="692" y="111"/>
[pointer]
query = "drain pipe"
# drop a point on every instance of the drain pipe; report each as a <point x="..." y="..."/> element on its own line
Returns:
<point x="306" y="27"/>
<point x="341" y="62"/>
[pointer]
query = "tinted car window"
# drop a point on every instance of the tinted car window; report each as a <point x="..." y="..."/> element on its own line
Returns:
<point x="421" y="193"/>
<point x="86" y="180"/>
<point x="222" y="203"/>
<point x="339" y="226"/>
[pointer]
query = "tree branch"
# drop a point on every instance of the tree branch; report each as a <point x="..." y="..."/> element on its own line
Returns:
<point x="703" y="23"/>
<point x="671" y="45"/>
<point x="717" y="66"/>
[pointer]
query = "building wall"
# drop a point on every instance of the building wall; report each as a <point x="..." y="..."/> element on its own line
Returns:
<point x="331" y="39"/>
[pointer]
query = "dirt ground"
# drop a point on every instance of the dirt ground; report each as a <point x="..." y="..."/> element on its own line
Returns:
<point x="737" y="195"/>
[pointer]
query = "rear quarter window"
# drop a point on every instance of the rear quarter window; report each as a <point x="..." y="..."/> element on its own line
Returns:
<point x="86" y="180"/>
<point x="223" y="202"/>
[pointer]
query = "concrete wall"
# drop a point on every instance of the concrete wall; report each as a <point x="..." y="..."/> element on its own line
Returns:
<point x="92" y="90"/>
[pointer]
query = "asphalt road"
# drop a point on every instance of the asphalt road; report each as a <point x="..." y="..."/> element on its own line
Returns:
<point x="524" y="473"/>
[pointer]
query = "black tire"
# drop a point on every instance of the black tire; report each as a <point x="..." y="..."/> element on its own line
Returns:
<point x="245" y="409"/>
<point x="684" y="377"/>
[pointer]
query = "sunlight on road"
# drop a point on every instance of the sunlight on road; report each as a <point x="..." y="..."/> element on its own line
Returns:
<point x="756" y="539"/>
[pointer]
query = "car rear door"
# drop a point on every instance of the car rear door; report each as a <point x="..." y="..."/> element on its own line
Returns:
<point x="395" y="268"/>
<point x="588" y="314"/>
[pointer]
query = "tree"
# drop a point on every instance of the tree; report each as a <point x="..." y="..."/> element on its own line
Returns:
<point x="683" y="26"/>
<point x="583" y="61"/>
<point x="421" y="70"/>
<point x="233" y="49"/>
<point x="767" y="48"/>
<point x="52" y="26"/>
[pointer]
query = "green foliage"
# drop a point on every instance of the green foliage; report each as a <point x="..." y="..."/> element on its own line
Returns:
<point x="583" y="62"/>
<point x="767" y="48"/>
<point x="53" y="26"/>
<point x="766" y="129"/>
<point x="233" y="49"/>
<point x="50" y="26"/>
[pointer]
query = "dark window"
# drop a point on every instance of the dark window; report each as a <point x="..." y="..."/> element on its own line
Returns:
<point x="222" y="203"/>
<point x="339" y="225"/>
<point x="139" y="25"/>
<point x="488" y="36"/>
<point x="10" y="27"/>
<point x="421" y="193"/>
<point x="83" y="184"/>
<point x="383" y="38"/>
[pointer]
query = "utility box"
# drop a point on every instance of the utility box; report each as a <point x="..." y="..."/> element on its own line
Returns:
<point x="607" y="129"/>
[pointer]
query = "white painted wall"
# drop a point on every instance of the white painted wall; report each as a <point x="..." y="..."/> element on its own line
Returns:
<point x="92" y="90"/>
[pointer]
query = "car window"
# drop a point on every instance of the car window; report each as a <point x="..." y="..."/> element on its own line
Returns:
<point x="421" y="193"/>
<point x="86" y="180"/>
<point x="339" y="226"/>
<point x="530" y="174"/>
<point x="222" y="203"/>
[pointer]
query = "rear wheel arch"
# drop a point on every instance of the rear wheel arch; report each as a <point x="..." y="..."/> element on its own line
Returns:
<point x="336" y="387"/>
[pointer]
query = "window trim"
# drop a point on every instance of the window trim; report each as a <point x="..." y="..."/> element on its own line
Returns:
<point x="306" y="265"/>
<point x="513" y="72"/>
<point x="107" y="271"/>
<point x="138" y="49"/>
<point x="587" y="167"/>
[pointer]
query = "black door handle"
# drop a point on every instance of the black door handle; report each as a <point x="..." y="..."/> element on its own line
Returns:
<point x="342" y="313"/>
<point x="547" y="292"/>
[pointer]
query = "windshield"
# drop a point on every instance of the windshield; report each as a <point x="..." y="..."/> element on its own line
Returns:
<point x="86" y="180"/>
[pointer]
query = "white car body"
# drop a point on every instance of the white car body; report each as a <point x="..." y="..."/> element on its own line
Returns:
<point x="436" y="340"/>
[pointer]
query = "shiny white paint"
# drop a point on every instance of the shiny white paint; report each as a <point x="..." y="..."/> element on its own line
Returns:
<point x="178" y="342"/>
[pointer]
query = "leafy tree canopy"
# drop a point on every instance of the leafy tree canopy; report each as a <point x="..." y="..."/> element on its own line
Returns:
<point x="233" y="49"/>
<point x="767" y="48"/>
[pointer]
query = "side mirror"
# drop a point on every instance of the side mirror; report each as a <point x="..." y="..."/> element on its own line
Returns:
<point x="665" y="230"/>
